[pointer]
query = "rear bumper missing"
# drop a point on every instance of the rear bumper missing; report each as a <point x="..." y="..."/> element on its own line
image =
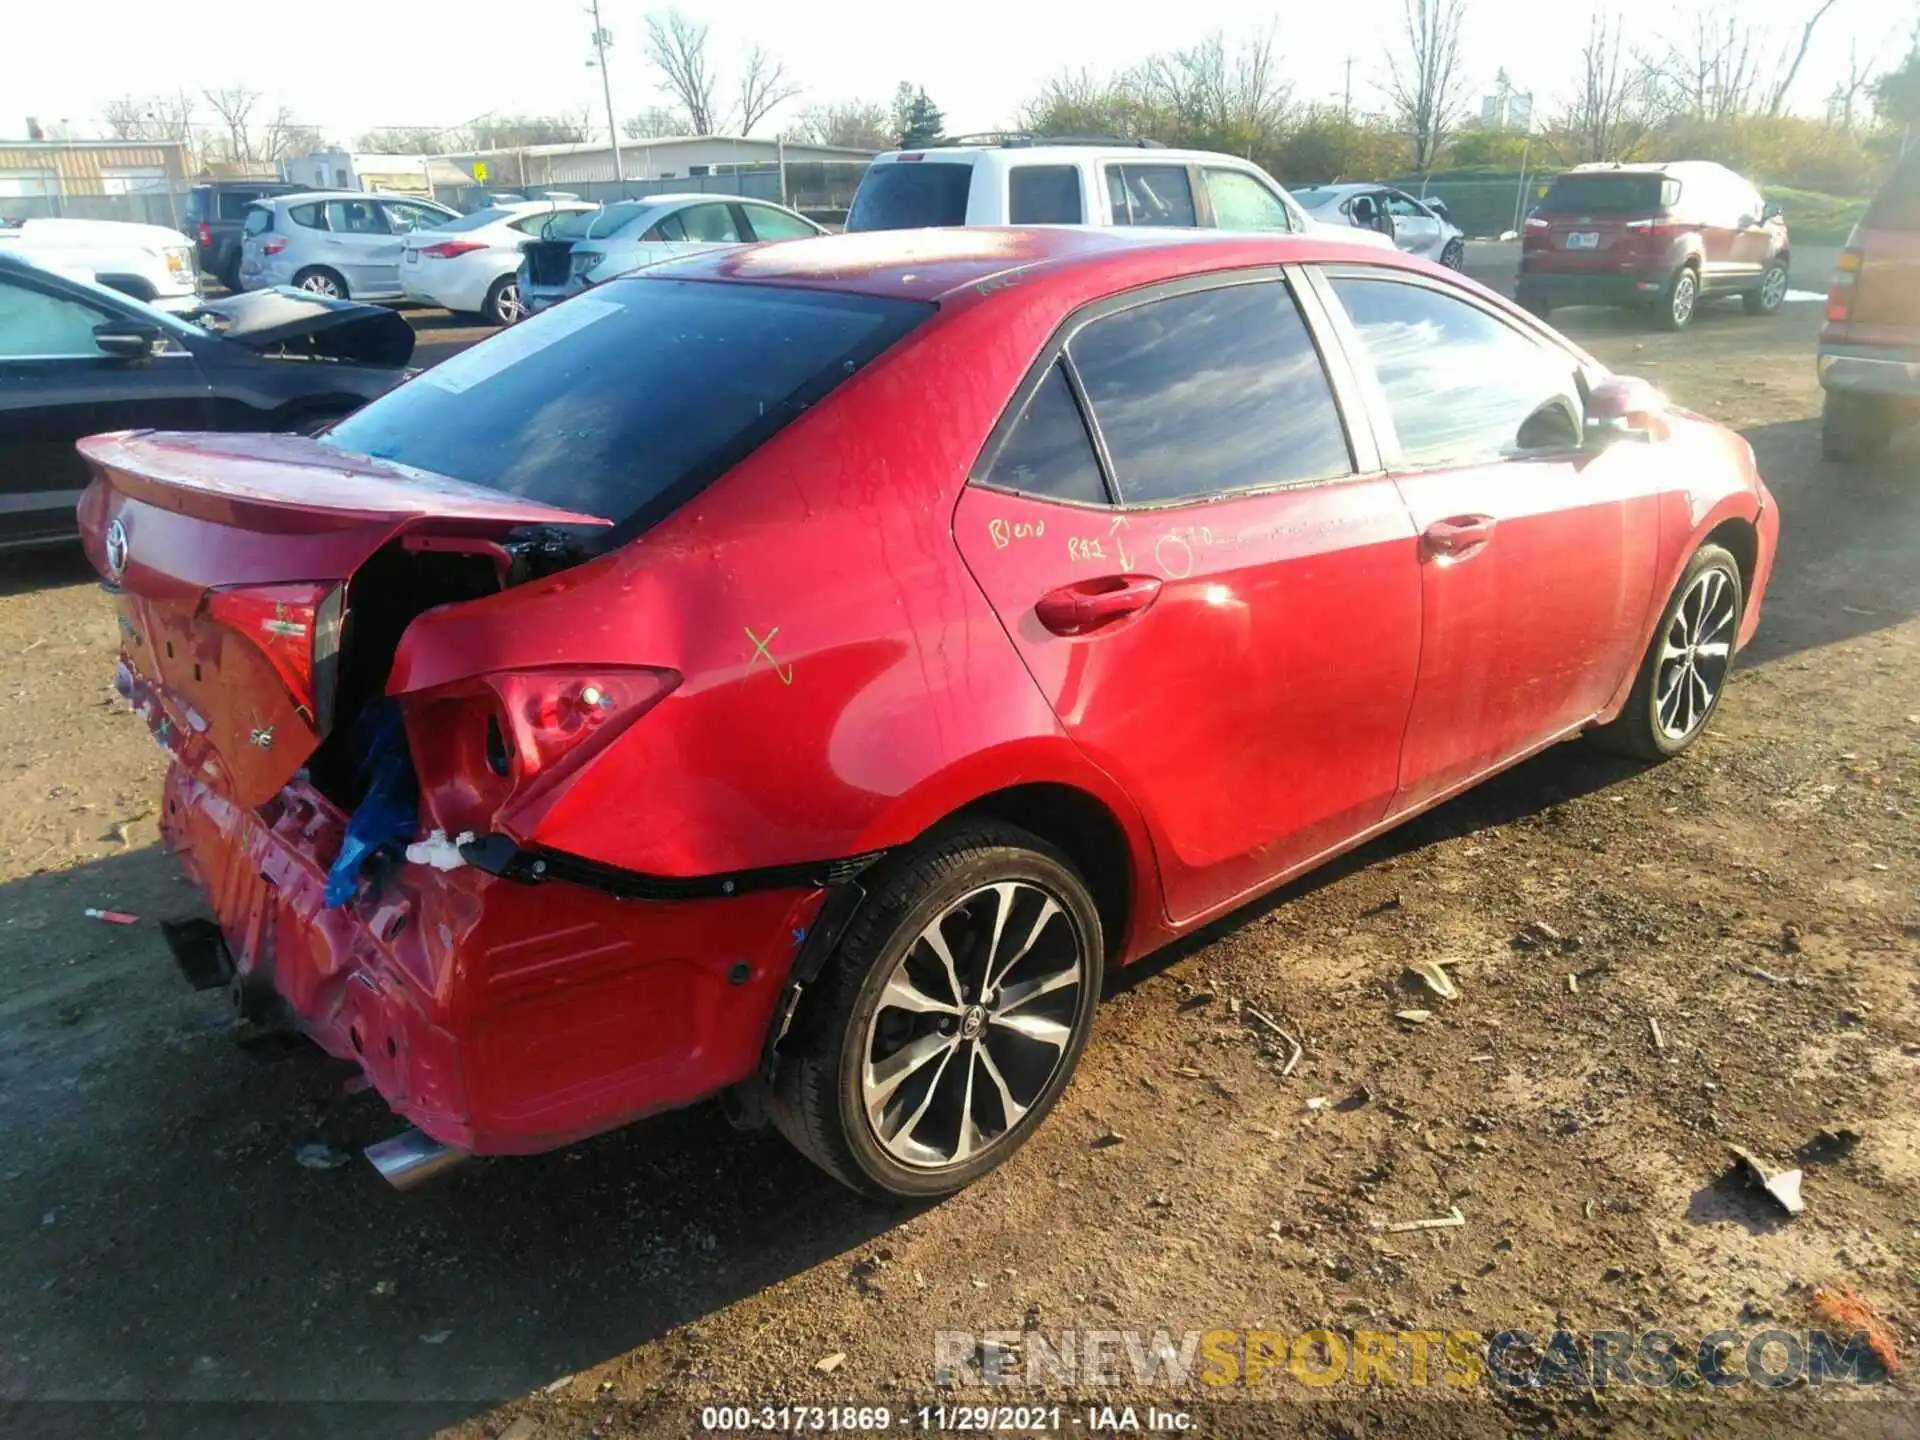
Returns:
<point x="497" y="1017"/>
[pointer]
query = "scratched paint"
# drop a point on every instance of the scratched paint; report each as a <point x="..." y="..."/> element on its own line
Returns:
<point x="760" y="650"/>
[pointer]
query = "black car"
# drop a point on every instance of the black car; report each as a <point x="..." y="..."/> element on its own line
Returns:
<point x="76" y="359"/>
<point x="215" y="214"/>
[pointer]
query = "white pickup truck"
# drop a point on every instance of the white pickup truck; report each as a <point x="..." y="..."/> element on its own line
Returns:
<point x="148" y="262"/>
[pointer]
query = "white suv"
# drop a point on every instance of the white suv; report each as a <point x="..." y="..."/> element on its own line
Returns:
<point x="1020" y="180"/>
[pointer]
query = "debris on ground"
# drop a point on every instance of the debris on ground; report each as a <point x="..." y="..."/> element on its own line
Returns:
<point x="1318" y="1102"/>
<point x="1273" y="1025"/>
<point x="112" y="917"/>
<point x="1783" y="1187"/>
<point x="827" y="1364"/>
<point x="1448" y="1221"/>
<point x="1197" y="999"/>
<point x="1789" y="939"/>
<point x="1827" y="1146"/>
<point x="321" y="1157"/>
<point x="1108" y="1138"/>
<point x="436" y="1337"/>
<point x="1413" y="1017"/>
<point x="1848" y="1312"/>
<point x="1433" y="975"/>
<point x="1653" y="1029"/>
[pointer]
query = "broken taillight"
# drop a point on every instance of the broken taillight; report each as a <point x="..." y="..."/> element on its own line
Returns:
<point x="273" y="247"/>
<point x="297" y="629"/>
<point x="496" y="740"/>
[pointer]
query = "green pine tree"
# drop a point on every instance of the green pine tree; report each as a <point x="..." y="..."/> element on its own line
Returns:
<point x="917" y="118"/>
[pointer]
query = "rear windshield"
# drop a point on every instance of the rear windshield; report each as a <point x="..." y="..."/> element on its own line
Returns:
<point x="624" y="401"/>
<point x="908" y="195"/>
<point x="1897" y="206"/>
<point x="477" y="219"/>
<point x="1611" y="194"/>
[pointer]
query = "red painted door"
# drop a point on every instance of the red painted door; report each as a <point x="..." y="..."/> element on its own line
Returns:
<point x="1238" y="655"/>
<point x="1537" y="557"/>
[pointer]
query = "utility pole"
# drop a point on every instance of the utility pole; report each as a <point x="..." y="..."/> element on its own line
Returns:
<point x="1346" y="103"/>
<point x="602" y="38"/>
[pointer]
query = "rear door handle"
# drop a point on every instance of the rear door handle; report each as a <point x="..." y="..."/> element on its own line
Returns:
<point x="1088" y="605"/>
<point x="1457" y="535"/>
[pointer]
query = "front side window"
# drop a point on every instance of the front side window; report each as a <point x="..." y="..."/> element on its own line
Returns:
<point x="1240" y="202"/>
<point x="1405" y="206"/>
<point x="1210" y="392"/>
<point x="1461" y="386"/>
<point x="771" y="224"/>
<point x="37" y="326"/>
<point x="1043" y="195"/>
<point x="1049" y="452"/>
<point x="710" y="224"/>
<point x="1150" y="195"/>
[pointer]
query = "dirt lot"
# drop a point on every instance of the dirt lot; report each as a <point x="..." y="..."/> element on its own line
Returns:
<point x="166" y="1263"/>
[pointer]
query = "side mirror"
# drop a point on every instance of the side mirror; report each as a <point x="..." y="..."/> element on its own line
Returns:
<point x="126" y="339"/>
<point x="1623" y="408"/>
<point x="1438" y="207"/>
<point x="1772" y="210"/>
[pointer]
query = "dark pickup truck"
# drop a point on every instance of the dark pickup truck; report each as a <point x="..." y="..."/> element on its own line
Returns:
<point x="215" y="214"/>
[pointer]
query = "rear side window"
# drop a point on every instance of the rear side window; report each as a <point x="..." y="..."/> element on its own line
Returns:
<point x="912" y="194"/>
<point x="624" y="401"/>
<point x="1049" y="452"/>
<point x="1150" y="195"/>
<point x="312" y="217"/>
<point x="1043" y="195"/>
<point x="1897" y="206"/>
<point x="1611" y="194"/>
<point x="234" y="204"/>
<point x="198" y="206"/>
<point x="1461" y="386"/>
<point x="1210" y="392"/>
<point x="260" y="219"/>
<point x="1241" y="202"/>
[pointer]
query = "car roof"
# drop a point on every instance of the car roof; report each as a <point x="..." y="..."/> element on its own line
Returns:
<point x="942" y="264"/>
<point x="304" y="197"/>
<point x="1343" y="187"/>
<point x="1080" y="150"/>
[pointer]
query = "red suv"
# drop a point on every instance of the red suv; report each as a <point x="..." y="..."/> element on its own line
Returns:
<point x="1870" y="347"/>
<point x="804" y="670"/>
<point x="1657" y="237"/>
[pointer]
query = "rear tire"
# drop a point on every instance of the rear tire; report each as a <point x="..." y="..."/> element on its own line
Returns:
<point x="503" y="305"/>
<point x="1772" y="293"/>
<point x="1454" y="256"/>
<point x="1682" y="300"/>
<point x="1855" y="427"/>
<point x="229" y="275"/>
<point x="1684" y="672"/>
<point x="852" y="1090"/>
<point x="318" y="280"/>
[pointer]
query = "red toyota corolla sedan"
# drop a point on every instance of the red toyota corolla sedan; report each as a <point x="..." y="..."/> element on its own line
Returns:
<point x="802" y="672"/>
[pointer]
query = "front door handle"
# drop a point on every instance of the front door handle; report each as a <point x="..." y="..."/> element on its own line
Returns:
<point x="1458" y="535"/>
<point x="1087" y="605"/>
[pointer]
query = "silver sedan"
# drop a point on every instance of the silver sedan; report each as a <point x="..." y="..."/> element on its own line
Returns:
<point x="1419" y="227"/>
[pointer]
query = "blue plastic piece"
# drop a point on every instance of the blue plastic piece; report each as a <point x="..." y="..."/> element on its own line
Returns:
<point x="388" y="812"/>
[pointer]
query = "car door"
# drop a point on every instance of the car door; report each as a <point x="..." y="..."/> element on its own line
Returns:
<point x="1414" y="228"/>
<point x="1147" y="194"/>
<point x="1537" y="557"/>
<point x="57" y="385"/>
<point x="361" y="246"/>
<point x="1754" y="241"/>
<point x="1209" y="578"/>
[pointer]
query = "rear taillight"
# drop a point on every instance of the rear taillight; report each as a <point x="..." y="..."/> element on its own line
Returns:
<point x="1651" y="230"/>
<point x="273" y="247"/>
<point x="297" y="629"/>
<point x="447" y="249"/>
<point x="206" y="236"/>
<point x="1534" y="222"/>
<point x="509" y="738"/>
<point x="1846" y="274"/>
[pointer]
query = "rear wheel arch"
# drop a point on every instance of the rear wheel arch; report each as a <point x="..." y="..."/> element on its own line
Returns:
<point x="1087" y="832"/>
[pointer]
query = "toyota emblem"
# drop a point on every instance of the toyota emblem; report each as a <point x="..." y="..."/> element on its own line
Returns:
<point x="116" y="550"/>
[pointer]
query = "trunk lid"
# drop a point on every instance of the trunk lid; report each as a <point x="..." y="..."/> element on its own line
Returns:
<point x="231" y="558"/>
<point x="301" y="325"/>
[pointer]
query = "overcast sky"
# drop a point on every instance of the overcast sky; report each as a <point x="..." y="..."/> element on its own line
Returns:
<point x="350" y="65"/>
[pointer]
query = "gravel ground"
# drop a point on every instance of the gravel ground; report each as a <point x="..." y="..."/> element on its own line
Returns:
<point x="165" y="1262"/>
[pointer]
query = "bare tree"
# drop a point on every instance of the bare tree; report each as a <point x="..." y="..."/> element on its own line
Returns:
<point x="283" y="136"/>
<point x="655" y="122"/>
<point x="1227" y="95"/>
<point x="677" y="48"/>
<point x="1425" y="80"/>
<point x="150" y="117"/>
<point x="1844" y="98"/>
<point x="1610" y="114"/>
<point x="234" y="105"/>
<point x="1711" y="71"/>
<point x="764" y="86"/>
<point x="855" y="124"/>
<point x="1777" y="99"/>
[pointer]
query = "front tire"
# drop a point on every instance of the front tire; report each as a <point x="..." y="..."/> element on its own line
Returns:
<point x="318" y="280"/>
<point x="1454" y="256"/>
<point x="1772" y="293"/>
<point x="951" y="1018"/>
<point x="1683" y="300"/>
<point x="1855" y="427"/>
<point x="1685" y="670"/>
